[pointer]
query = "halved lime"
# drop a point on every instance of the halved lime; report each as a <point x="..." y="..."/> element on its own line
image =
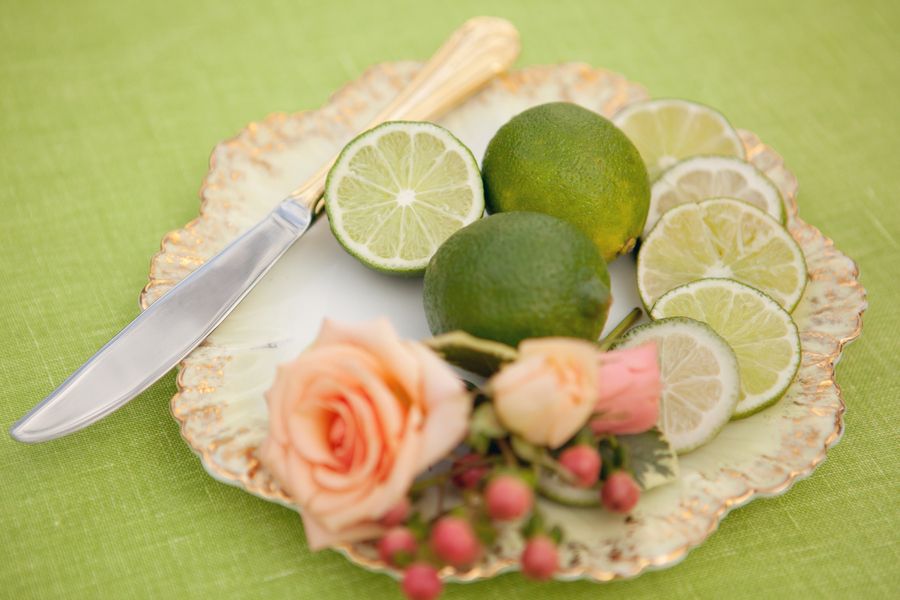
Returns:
<point x="700" y="378"/>
<point x="761" y="333"/>
<point x="721" y="237"/>
<point x="397" y="191"/>
<point x="667" y="130"/>
<point x="703" y="177"/>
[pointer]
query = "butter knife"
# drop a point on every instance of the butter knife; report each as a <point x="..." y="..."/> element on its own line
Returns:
<point x="170" y="328"/>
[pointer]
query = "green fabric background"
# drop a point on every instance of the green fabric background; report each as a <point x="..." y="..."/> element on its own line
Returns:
<point x="108" y="111"/>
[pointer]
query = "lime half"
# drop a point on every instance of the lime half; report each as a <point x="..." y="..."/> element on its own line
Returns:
<point x="666" y="131"/>
<point x="703" y="177"/>
<point x="761" y="333"/>
<point x="701" y="382"/>
<point x="397" y="191"/>
<point x="721" y="237"/>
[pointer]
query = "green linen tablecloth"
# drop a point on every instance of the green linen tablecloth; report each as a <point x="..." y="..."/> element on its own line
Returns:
<point x="108" y="111"/>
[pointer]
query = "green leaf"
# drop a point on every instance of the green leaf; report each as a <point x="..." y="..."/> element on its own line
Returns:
<point x="484" y="357"/>
<point x="525" y="450"/>
<point x="650" y="458"/>
<point x="484" y="421"/>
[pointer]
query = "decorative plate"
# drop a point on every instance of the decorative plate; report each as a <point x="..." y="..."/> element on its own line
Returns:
<point x="220" y="403"/>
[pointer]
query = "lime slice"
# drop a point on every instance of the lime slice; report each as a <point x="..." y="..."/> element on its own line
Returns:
<point x="703" y="177"/>
<point x="761" y="333"/>
<point x="721" y="237"/>
<point x="666" y="131"/>
<point x="397" y="191"/>
<point x="701" y="383"/>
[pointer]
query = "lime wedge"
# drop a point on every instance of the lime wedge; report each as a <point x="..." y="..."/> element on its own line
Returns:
<point x="666" y="131"/>
<point x="721" y="237"/>
<point x="761" y="333"/>
<point x="397" y="191"/>
<point x="703" y="177"/>
<point x="701" y="383"/>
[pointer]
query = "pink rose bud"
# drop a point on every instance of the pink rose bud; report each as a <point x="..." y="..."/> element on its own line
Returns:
<point x="468" y="472"/>
<point x="397" y="515"/>
<point x="583" y="462"/>
<point x="421" y="582"/>
<point x="539" y="559"/>
<point x="629" y="387"/>
<point x="620" y="493"/>
<point x="508" y="498"/>
<point x="395" y="542"/>
<point x="454" y="542"/>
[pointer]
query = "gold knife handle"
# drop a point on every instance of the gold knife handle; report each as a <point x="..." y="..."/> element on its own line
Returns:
<point x="473" y="55"/>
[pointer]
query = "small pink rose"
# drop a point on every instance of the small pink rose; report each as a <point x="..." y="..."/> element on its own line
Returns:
<point x="628" y="392"/>
<point x="353" y="420"/>
<point x="549" y="392"/>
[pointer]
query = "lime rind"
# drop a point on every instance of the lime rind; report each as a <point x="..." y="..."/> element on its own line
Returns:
<point x="748" y="245"/>
<point x="710" y="361"/>
<point x="397" y="191"/>
<point x="744" y="323"/>
<point x="668" y="130"/>
<point x="755" y="188"/>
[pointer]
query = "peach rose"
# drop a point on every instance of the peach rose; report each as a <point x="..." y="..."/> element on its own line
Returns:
<point x="629" y="390"/>
<point x="353" y="420"/>
<point x="549" y="392"/>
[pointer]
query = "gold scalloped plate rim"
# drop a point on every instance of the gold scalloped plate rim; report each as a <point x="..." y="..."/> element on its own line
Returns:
<point x="754" y="148"/>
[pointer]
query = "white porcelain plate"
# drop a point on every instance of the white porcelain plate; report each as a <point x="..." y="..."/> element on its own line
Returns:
<point x="220" y="402"/>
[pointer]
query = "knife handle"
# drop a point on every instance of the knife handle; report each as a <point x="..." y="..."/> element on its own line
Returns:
<point x="473" y="55"/>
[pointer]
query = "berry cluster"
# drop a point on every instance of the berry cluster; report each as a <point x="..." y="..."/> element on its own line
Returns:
<point x="493" y="487"/>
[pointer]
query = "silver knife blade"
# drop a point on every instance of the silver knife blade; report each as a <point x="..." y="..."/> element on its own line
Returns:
<point x="167" y="331"/>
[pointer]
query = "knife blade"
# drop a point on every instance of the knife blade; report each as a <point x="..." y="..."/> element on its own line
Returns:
<point x="180" y="320"/>
<point x="161" y="336"/>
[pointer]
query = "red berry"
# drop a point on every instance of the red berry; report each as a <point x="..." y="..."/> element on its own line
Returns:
<point x="620" y="493"/>
<point x="421" y="582"/>
<point x="397" y="514"/>
<point x="539" y="559"/>
<point x="396" y="541"/>
<point x="454" y="541"/>
<point x="508" y="498"/>
<point x="467" y="473"/>
<point x="583" y="462"/>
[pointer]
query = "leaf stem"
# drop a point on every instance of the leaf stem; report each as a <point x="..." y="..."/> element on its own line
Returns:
<point x="623" y="326"/>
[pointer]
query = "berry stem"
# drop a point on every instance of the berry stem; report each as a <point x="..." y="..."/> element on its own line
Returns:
<point x="507" y="452"/>
<point x="623" y="326"/>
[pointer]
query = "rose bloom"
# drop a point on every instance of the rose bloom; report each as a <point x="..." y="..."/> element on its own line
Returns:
<point x="549" y="392"/>
<point x="629" y="390"/>
<point x="353" y="420"/>
<point x="556" y="384"/>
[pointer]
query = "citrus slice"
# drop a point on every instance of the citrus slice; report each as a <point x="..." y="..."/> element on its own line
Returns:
<point x="397" y="191"/>
<point x="721" y="237"/>
<point x="703" y="177"/>
<point x="700" y="378"/>
<point x="666" y="131"/>
<point x="761" y="333"/>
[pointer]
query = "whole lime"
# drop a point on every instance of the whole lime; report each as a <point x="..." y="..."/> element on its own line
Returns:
<point x="564" y="160"/>
<point x="517" y="275"/>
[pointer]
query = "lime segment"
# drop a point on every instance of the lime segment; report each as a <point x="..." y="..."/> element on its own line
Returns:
<point x="721" y="237"/>
<point x="666" y="131"/>
<point x="701" y="383"/>
<point x="703" y="177"/>
<point x="398" y="191"/>
<point x="761" y="333"/>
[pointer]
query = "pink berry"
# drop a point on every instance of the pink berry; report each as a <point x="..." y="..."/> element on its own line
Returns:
<point x="583" y="462"/>
<point x="397" y="514"/>
<point x="421" y="582"/>
<point x="467" y="472"/>
<point x="454" y="541"/>
<point x="620" y="493"/>
<point x="395" y="543"/>
<point x="539" y="559"/>
<point x="508" y="498"/>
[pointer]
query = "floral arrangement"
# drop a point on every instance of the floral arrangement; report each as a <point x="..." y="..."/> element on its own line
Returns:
<point x="379" y="440"/>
